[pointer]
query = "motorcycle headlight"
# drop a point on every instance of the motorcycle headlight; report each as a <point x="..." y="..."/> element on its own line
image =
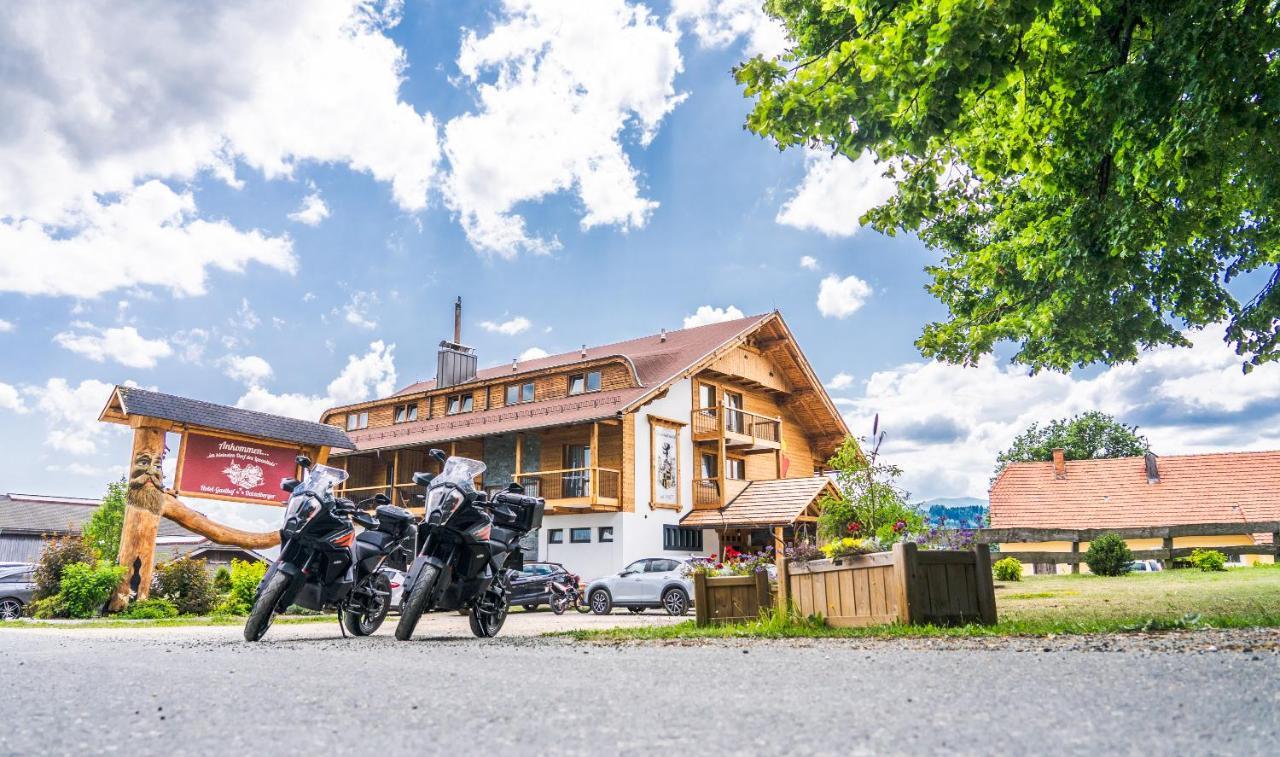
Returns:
<point x="302" y="508"/>
<point x="444" y="500"/>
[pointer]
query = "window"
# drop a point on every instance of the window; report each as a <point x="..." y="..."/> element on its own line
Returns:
<point x="735" y="469"/>
<point x="584" y="382"/>
<point x="733" y="420"/>
<point x="606" y="535"/>
<point x="357" y="421"/>
<point x="664" y="566"/>
<point x="678" y="538"/>
<point x="517" y="393"/>
<point x="576" y="480"/>
<point x="636" y="567"/>
<point x="706" y="395"/>
<point x="580" y="535"/>
<point x="459" y="403"/>
<point x="709" y="468"/>
<point x="555" y="536"/>
<point x="406" y="413"/>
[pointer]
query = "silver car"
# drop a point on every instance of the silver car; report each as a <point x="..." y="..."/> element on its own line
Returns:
<point x="17" y="584"/>
<point x="648" y="583"/>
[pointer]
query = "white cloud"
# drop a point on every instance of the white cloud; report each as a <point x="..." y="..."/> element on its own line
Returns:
<point x="809" y="262"/>
<point x="6" y="326"/>
<point x="251" y="370"/>
<point x="945" y="424"/>
<point x="190" y="344"/>
<point x="245" y="317"/>
<point x="835" y="193"/>
<point x="71" y="413"/>
<point x="169" y="91"/>
<point x="707" y="314"/>
<point x="842" y="297"/>
<point x="558" y="86"/>
<point x="312" y="211"/>
<point x="840" y="381"/>
<point x="357" y="310"/>
<point x="720" y="23"/>
<point x="92" y="471"/>
<point x="150" y="236"/>
<point x="364" y="377"/>
<point x="10" y="399"/>
<point x="123" y="345"/>
<point x="533" y="353"/>
<point x="510" y="327"/>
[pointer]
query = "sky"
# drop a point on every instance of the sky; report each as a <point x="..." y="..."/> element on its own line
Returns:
<point x="273" y="204"/>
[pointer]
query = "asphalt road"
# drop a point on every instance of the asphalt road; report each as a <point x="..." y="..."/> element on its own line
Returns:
<point x="306" y="690"/>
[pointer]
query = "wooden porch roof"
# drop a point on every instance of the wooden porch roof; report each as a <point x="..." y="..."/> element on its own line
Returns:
<point x="774" y="502"/>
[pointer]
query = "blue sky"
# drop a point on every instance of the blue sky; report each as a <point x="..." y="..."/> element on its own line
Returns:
<point x="273" y="204"/>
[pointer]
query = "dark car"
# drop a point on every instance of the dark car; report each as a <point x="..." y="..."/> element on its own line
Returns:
<point x="17" y="584"/>
<point x="533" y="586"/>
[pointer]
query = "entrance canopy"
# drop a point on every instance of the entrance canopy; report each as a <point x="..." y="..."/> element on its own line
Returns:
<point x="776" y="502"/>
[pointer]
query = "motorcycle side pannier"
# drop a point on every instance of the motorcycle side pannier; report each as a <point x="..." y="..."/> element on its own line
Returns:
<point x="525" y="515"/>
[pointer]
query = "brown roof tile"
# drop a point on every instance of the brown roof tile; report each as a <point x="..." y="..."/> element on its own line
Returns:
<point x="775" y="502"/>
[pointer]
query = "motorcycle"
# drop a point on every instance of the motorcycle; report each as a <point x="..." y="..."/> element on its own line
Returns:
<point x="468" y="547"/>
<point x="323" y="563"/>
<point x="567" y="594"/>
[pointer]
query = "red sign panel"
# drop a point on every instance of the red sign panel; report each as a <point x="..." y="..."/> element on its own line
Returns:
<point x="219" y="468"/>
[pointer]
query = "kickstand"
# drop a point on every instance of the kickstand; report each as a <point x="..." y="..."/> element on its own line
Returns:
<point x="342" y="626"/>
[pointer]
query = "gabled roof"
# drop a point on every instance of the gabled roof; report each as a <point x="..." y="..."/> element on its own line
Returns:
<point x="129" y="401"/>
<point x="57" y="516"/>
<point x="170" y="549"/>
<point x="1210" y="488"/>
<point x="773" y="502"/>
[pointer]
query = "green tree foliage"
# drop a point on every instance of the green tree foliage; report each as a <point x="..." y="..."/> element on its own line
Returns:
<point x="870" y="503"/>
<point x="1108" y="555"/>
<point x="1094" y="171"/>
<point x="1083" y="437"/>
<point x="58" y="553"/>
<point x="86" y="587"/>
<point x="185" y="583"/>
<point x="245" y="577"/>
<point x="102" y="532"/>
<point x="222" y="580"/>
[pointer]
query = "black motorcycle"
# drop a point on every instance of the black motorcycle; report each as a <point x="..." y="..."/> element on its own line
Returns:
<point x="323" y="563"/>
<point x="468" y="547"/>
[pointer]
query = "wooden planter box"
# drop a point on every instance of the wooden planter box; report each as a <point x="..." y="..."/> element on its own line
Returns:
<point x="730" y="599"/>
<point x="907" y="585"/>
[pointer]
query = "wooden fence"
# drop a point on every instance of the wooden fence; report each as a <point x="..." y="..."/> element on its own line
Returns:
<point x="730" y="599"/>
<point x="1166" y="534"/>
<point x="907" y="585"/>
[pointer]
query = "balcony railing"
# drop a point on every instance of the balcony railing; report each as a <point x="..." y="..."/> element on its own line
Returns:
<point x="740" y="428"/>
<point x="574" y="487"/>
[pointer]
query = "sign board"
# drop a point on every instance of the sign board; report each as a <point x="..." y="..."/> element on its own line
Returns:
<point x="231" y="468"/>
<point x="664" y="463"/>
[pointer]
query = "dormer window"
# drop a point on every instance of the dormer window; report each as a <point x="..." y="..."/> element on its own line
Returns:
<point x="357" y="421"/>
<point x="518" y="393"/>
<point x="406" y="413"/>
<point x="580" y="383"/>
<point x="458" y="403"/>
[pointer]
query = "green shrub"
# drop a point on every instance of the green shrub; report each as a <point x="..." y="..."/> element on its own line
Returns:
<point x="86" y="588"/>
<point x="245" y="577"/>
<point x="1209" y="560"/>
<point x="154" y="608"/>
<point x="1108" y="555"/>
<point x="102" y="532"/>
<point x="49" y="608"/>
<point x="58" y="553"/>
<point x="222" y="580"/>
<point x="1008" y="569"/>
<point x="185" y="583"/>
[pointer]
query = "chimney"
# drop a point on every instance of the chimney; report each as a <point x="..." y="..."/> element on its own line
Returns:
<point x="663" y="336"/>
<point x="514" y="362"/>
<point x="455" y="362"/>
<point x="1059" y="463"/>
<point x="584" y="350"/>
<point x="1153" y="469"/>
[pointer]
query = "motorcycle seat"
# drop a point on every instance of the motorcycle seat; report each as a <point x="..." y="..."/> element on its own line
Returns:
<point x="370" y="543"/>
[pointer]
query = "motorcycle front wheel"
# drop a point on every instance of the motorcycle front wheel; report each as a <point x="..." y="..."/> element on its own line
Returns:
<point x="416" y="603"/>
<point x="559" y="605"/>
<point x="264" y="607"/>
<point x="365" y="620"/>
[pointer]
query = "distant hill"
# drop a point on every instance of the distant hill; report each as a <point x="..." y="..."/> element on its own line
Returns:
<point x="957" y="512"/>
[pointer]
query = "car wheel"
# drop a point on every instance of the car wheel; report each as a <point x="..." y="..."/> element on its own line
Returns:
<point x="675" y="602"/>
<point x="529" y="608"/>
<point x="10" y="609"/>
<point x="601" y="604"/>
<point x="635" y="610"/>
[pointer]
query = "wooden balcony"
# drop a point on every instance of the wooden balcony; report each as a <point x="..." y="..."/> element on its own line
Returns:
<point x="743" y="431"/>
<point x="712" y="493"/>
<point x="575" y="489"/>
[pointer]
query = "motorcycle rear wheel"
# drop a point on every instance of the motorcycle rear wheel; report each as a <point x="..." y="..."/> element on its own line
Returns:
<point x="264" y="607"/>
<point x="487" y="623"/>
<point x="416" y="603"/>
<point x="559" y="605"/>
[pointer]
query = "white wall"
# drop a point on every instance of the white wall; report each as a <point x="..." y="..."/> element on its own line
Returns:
<point x="589" y="561"/>
<point x="677" y="406"/>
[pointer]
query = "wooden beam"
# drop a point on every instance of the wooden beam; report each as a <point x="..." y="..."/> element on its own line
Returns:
<point x="594" y="481"/>
<point x="196" y="522"/>
<point x="780" y="560"/>
<point x="1016" y="535"/>
<point x="519" y="455"/>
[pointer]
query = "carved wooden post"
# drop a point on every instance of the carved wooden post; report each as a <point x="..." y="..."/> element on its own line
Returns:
<point x="145" y="502"/>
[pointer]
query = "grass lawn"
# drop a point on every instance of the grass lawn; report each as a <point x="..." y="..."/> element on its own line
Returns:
<point x="1040" y="605"/>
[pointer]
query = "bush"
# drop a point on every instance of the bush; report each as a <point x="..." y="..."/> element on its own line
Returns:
<point x="58" y="553"/>
<point x="185" y="583"/>
<point x="849" y="546"/>
<point x="1007" y="569"/>
<point x="245" y="577"/>
<point x="102" y="532"/>
<point x="86" y="588"/>
<point x="1209" y="560"/>
<point x="48" y="608"/>
<point x="1108" y="555"/>
<point x="150" y="609"/>
<point x="222" y="580"/>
